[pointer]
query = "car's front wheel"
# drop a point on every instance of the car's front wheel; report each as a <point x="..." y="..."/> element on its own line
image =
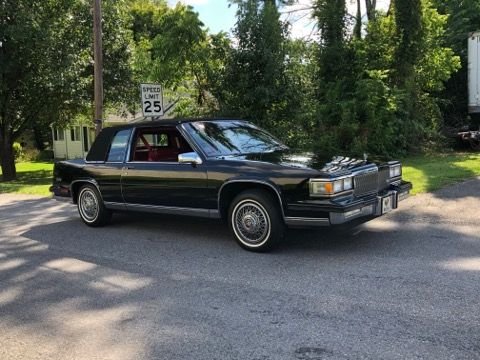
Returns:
<point x="255" y="221"/>
<point x="91" y="208"/>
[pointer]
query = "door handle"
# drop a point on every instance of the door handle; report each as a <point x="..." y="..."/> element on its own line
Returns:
<point x="130" y="167"/>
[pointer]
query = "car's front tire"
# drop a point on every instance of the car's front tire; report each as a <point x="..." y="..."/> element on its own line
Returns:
<point x="91" y="207"/>
<point x="256" y="221"/>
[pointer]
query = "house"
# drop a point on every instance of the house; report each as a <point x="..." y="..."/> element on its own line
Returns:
<point x="73" y="141"/>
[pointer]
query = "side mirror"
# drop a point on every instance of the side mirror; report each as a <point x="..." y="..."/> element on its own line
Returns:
<point x="189" y="158"/>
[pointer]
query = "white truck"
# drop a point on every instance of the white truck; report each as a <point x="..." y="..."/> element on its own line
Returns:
<point x="472" y="138"/>
<point x="474" y="73"/>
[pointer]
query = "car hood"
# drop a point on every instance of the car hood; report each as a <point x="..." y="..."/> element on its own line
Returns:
<point x="305" y="160"/>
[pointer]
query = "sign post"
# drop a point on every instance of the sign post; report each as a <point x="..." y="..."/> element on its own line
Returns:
<point x="98" y="65"/>
<point x="152" y="100"/>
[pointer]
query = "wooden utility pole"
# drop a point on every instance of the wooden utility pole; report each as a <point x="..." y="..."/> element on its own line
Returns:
<point x="98" y="64"/>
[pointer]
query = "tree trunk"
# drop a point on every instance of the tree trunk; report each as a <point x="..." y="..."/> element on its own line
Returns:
<point x="371" y="6"/>
<point x="8" y="160"/>
<point x="357" y="30"/>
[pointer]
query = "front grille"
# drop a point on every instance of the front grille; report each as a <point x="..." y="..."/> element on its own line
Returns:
<point x="383" y="178"/>
<point x="366" y="183"/>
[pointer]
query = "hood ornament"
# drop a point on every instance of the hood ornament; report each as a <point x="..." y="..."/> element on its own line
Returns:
<point x="365" y="157"/>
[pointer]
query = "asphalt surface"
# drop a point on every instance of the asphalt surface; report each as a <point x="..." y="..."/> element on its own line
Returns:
<point x="405" y="286"/>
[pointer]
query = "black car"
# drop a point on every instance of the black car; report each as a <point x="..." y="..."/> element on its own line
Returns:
<point x="226" y="169"/>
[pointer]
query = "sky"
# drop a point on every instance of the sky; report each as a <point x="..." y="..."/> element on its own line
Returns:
<point x="218" y="16"/>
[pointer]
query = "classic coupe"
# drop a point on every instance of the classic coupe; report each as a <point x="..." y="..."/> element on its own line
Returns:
<point x="225" y="169"/>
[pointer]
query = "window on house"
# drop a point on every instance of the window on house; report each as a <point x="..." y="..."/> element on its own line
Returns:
<point x="75" y="133"/>
<point x="58" y="134"/>
<point x="85" y="139"/>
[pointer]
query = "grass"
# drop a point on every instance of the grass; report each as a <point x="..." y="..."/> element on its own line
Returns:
<point x="33" y="178"/>
<point x="430" y="173"/>
<point x="427" y="173"/>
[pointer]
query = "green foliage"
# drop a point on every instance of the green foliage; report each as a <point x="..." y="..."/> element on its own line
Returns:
<point x="380" y="94"/>
<point x="46" y="72"/>
<point x="34" y="178"/>
<point x="173" y="48"/>
<point x="409" y="36"/>
<point x="255" y="74"/>
<point x="381" y="91"/>
<point x="432" y="172"/>
<point x="17" y="150"/>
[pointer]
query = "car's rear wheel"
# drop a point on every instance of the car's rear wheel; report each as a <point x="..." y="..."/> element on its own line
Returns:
<point x="91" y="207"/>
<point x="255" y="221"/>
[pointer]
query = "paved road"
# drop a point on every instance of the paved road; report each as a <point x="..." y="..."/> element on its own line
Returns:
<point x="406" y="286"/>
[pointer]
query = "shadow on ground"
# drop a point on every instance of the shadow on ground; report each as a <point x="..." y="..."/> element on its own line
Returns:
<point x="163" y="286"/>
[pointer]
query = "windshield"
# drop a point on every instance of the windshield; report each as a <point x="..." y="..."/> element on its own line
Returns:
<point x="223" y="138"/>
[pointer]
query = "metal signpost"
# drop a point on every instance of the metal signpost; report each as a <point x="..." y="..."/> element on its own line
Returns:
<point x="152" y="100"/>
<point x="98" y="65"/>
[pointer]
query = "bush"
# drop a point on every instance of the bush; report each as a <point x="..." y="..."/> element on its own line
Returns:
<point x="17" y="151"/>
<point x="45" y="155"/>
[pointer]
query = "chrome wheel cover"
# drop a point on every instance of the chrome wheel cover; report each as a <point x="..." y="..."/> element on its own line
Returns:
<point x="251" y="223"/>
<point x="88" y="205"/>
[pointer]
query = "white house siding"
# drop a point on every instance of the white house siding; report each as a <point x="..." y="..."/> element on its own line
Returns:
<point x="70" y="143"/>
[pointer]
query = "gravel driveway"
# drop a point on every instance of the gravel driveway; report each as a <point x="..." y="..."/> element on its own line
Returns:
<point x="405" y="286"/>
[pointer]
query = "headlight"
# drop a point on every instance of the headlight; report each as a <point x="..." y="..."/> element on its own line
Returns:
<point x="395" y="171"/>
<point x="321" y="188"/>
<point x="325" y="187"/>
<point x="348" y="183"/>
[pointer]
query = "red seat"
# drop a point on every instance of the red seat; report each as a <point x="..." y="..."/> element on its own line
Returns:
<point x="163" y="154"/>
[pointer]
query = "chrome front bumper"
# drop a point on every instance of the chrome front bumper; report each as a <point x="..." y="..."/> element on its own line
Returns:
<point x="371" y="209"/>
<point x="375" y="209"/>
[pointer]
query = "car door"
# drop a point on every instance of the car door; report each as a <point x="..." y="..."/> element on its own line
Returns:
<point x="157" y="179"/>
<point x="107" y="169"/>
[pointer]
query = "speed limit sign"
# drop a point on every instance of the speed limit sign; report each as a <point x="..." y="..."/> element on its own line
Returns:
<point x="152" y="99"/>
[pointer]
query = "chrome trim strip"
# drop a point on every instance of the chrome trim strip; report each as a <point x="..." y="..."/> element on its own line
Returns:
<point x="154" y="162"/>
<point x="403" y="195"/>
<point x="335" y="178"/>
<point x="115" y="205"/>
<point x="344" y="217"/>
<point x="207" y="213"/>
<point x="251" y="181"/>
<point x="368" y="170"/>
<point x="301" y="221"/>
<point x="214" y="214"/>
<point x="395" y="179"/>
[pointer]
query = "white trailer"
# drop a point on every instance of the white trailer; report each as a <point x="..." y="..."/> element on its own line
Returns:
<point x="474" y="73"/>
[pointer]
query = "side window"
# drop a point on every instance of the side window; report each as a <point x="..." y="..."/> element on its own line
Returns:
<point x="162" y="144"/>
<point x="119" y="146"/>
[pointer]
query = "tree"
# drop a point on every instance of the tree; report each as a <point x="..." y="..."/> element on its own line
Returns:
<point x="335" y="79"/>
<point x="255" y="80"/>
<point x="46" y="68"/>
<point x="172" y="47"/>
<point x="371" y="6"/>
<point x="380" y="94"/>
<point x="409" y="36"/>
